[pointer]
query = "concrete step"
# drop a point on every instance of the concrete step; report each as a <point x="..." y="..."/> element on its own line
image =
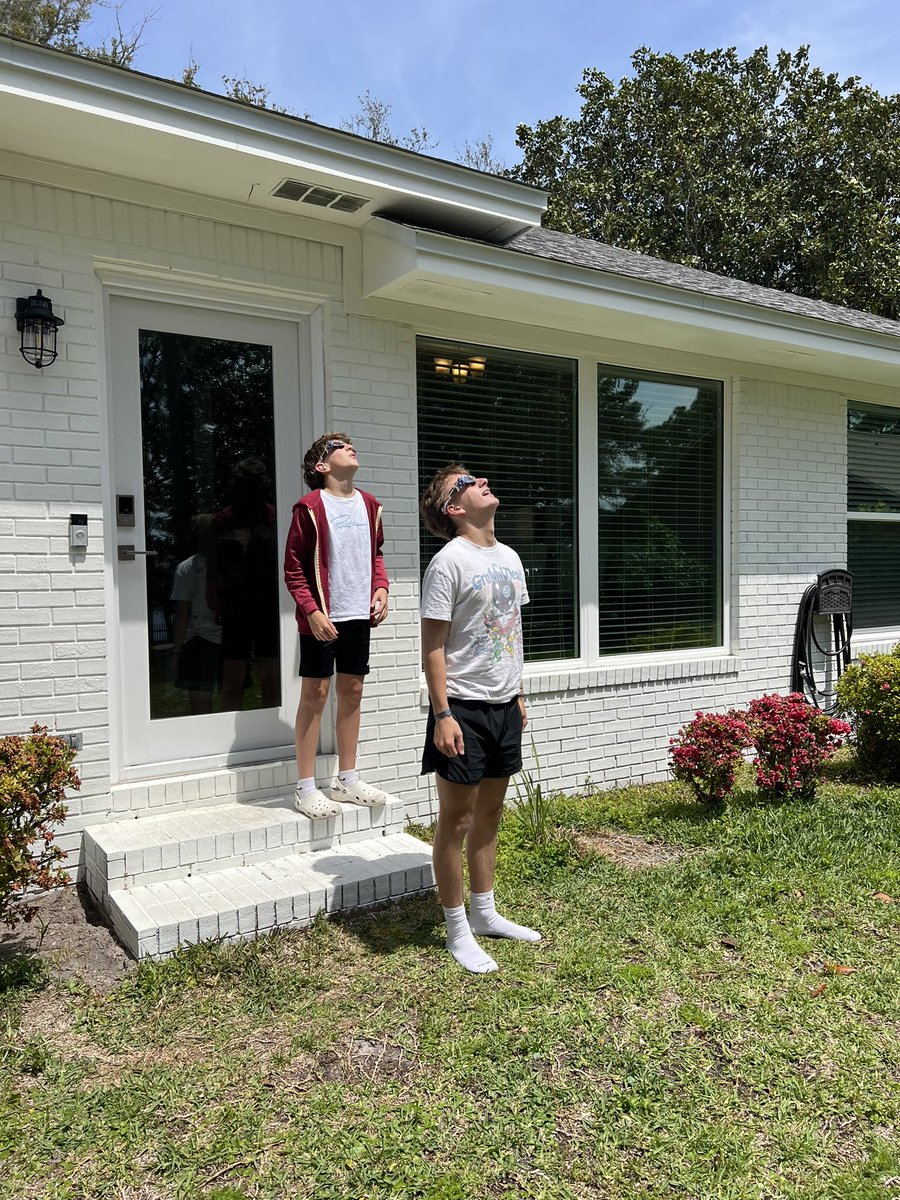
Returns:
<point x="138" y="851"/>
<point x="245" y="901"/>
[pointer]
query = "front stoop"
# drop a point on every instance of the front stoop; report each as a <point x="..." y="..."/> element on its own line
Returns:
<point x="234" y="871"/>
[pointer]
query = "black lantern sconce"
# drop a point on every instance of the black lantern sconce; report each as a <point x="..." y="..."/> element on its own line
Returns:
<point x="37" y="327"/>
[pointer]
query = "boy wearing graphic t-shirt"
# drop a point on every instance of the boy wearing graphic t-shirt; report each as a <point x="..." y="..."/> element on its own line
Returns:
<point x="472" y="596"/>
<point x="333" y="567"/>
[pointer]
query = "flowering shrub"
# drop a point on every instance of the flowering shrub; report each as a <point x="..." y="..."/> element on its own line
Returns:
<point x="35" y="772"/>
<point x="869" y="693"/>
<point x="706" y="753"/>
<point x="793" y="741"/>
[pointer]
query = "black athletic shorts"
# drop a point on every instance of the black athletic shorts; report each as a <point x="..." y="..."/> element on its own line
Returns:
<point x="349" y="654"/>
<point x="492" y="734"/>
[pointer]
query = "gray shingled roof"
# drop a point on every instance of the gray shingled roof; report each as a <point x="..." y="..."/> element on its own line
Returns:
<point x="597" y="256"/>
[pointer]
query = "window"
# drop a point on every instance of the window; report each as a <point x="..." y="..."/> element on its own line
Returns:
<point x="659" y="455"/>
<point x="659" y="449"/>
<point x="873" y="517"/>
<point x="512" y="417"/>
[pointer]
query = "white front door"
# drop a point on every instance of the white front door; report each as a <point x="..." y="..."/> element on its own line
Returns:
<point x="206" y="463"/>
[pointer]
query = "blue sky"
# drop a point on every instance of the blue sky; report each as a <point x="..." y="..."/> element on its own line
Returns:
<point x="468" y="68"/>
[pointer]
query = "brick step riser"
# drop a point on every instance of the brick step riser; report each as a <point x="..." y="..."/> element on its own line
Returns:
<point x="110" y="871"/>
<point x="253" y="920"/>
<point x="194" y="867"/>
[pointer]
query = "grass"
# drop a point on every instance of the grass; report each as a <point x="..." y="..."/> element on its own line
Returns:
<point x="683" y="1031"/>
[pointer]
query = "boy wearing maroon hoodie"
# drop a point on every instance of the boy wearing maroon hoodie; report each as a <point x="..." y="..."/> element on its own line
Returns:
<point x="334" y="569"/>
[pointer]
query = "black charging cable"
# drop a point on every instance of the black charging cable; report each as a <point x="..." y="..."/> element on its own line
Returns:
<point x="803" y="676"/>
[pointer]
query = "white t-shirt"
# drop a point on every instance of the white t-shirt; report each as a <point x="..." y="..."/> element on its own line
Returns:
<point x="349" y="557"/>
<point x="190" y="584"/>
<point x="480" y="590"/>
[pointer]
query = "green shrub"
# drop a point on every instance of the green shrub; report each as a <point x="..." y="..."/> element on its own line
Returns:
<point x="35" y="772"/>
<point x="869" y="694"/>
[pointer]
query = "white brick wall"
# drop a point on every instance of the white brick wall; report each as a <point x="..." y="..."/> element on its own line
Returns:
<point x="788" y="511"/>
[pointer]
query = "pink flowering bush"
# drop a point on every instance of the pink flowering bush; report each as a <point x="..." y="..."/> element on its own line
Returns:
<point x="869" y="693"/>
<point x="35" y="772"/>
<point x="793" y="741"/>
<point x="706" y="753"/>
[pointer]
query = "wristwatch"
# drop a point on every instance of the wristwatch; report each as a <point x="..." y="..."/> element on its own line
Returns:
<point x="445" y="712"/>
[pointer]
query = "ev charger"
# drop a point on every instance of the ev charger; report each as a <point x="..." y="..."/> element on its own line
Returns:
<point x="78" y="531"/>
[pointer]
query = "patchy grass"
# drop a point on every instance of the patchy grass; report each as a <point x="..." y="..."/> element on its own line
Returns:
<point x="719" y="1025"/>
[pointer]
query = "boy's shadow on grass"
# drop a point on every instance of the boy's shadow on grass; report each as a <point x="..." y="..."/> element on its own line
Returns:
<point x="409" y="921"/>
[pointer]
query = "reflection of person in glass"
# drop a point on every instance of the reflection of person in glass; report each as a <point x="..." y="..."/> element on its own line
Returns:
<point x="198" y="634"/>
<point x="246" y="587"/>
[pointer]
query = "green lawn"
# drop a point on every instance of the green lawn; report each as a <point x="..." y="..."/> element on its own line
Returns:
<point x="681" y="1032"/>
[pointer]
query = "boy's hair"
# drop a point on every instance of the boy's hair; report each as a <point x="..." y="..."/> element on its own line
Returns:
<point x="436" y="521"/>
<point x="314" y="453"/>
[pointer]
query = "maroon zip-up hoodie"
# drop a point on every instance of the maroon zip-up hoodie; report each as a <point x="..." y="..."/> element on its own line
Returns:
<point x="306" y="554"/>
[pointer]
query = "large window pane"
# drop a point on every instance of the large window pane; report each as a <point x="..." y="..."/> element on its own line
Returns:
<point x="873" y="486"/>
<point x="213" y="571"/>
<point x="660" y="512"/>
<point x="515" y="422"/>
<point x="873" y="555"/>
<point x="873" y="458"/>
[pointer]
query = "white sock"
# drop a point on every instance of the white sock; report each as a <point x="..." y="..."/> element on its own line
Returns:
<point x="348" y="777"/>
<point x="485" y="919"/>
<point x="306" y="787"/>
<point x="463" y="946"/>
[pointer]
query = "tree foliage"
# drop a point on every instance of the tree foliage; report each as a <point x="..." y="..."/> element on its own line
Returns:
<point x="771" y="171"/>
<point x="58" y="23"/>
<point x="372" y="120"/>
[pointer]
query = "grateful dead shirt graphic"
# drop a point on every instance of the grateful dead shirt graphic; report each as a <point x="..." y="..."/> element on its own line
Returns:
<point x="502" y="634"/>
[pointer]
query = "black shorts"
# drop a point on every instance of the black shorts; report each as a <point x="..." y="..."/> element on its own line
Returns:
<point x="199" y="666"/>
<point x="349" y="653"/>
<point x="493" y="738"/>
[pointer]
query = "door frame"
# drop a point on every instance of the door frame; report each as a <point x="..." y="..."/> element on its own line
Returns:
<point x="168" y="289"/>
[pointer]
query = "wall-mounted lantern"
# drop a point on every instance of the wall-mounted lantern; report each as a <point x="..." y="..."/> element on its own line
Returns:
<point x="37" y="328"/>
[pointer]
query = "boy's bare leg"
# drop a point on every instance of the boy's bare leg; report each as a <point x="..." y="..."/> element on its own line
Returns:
<point x="481" y="850"/>
<point x="456" y="813"/>
<point x="349" y="698"/>
<point x="481" y="841"/>
<point x="313" y="694"/>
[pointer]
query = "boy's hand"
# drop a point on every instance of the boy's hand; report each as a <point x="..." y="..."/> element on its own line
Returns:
<point x="524" y="713"/>
<point x="448" y="737"/>
<point x="322" y="628"/>
<point x="379" y="606"/>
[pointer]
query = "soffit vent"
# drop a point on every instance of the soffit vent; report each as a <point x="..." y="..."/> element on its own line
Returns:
<point x="321" y="197"/>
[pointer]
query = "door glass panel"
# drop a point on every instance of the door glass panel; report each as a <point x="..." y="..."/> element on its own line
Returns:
<point x="213" y="578"/>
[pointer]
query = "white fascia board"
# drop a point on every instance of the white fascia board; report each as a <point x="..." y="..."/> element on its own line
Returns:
<point x="97" y="89"/>
<point x="477" y="265"/>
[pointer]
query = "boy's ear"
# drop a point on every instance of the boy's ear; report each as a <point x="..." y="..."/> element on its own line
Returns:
<point x="322" y="467"/>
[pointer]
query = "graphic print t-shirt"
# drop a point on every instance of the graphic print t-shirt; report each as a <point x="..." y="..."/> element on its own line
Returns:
<point x="349" y="557"/>
<point x="481" y="591"/>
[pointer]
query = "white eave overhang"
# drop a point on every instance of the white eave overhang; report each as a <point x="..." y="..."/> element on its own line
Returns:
<point x="88" y="115"/>
<point x="408" y="266"/>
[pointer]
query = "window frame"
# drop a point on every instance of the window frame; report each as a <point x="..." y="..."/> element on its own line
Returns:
<point x="590" y="667"/>
<point x="879" y="633"/>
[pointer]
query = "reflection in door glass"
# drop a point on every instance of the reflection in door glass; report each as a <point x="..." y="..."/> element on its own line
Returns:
<point x="208" y="434"/>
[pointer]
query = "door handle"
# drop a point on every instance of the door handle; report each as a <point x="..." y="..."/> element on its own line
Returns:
<point x="128" y="553"/>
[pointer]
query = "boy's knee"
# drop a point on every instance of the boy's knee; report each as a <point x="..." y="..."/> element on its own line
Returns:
<point x="350" y="687"/>
<point x="313" y="694"/>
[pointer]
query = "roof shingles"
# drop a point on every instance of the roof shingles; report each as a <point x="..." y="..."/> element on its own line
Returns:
<point x="597" y="256"/>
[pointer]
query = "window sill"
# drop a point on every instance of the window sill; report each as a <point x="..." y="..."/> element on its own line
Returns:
<point x="874" y="641"/>
<point x="542" y="680"/>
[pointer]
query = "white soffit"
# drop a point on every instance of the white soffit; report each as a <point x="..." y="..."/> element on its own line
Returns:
<point x="408" y="267"/>
<point x="69" y="110"/>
